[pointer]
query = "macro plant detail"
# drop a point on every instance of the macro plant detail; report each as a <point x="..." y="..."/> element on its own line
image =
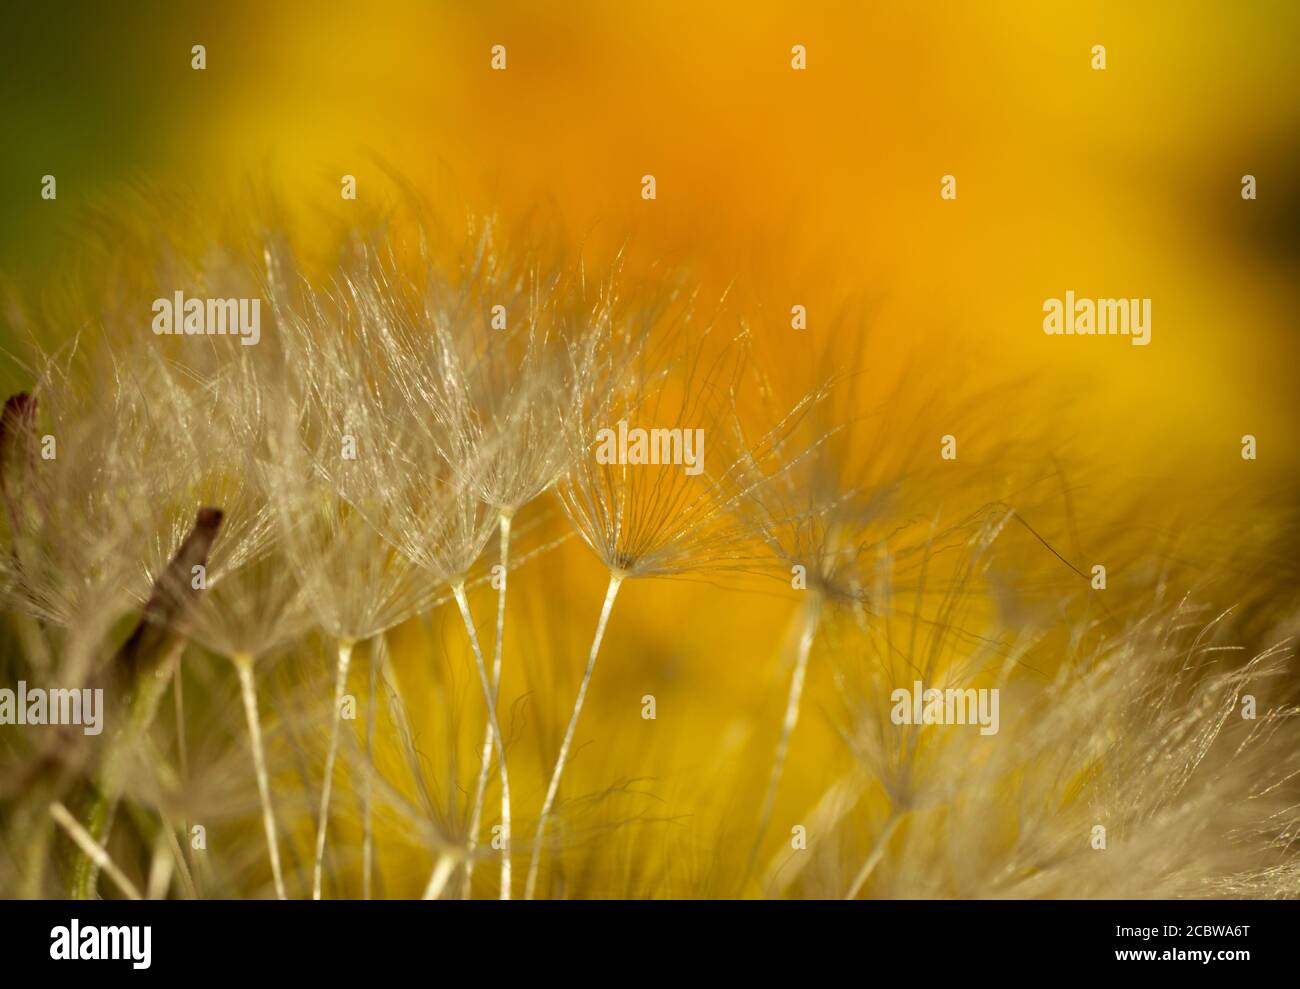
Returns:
<point x="647" y="452"/>
<point x="284" y="508"/>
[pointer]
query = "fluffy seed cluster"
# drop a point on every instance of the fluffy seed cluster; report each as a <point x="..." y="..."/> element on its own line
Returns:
<point x="173" y="503"/>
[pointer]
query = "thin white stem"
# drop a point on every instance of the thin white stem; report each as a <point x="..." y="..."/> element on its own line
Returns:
<point x="182" y="866"/>
<point x="161" y="870"/>
<point x="812" y="611"/>
<point x="442" y="870"/>
<point x="93" y="850"/>
<point x="182" y="751"/>
<point x="485" y="764"/>
<point x="378" y="648"/>
<point x="489" y="697"/>
<point x="244" y="668"/>
<point x="615" y="580"/>
<point x="874" y="858"/>
<point x="322" y="823"/>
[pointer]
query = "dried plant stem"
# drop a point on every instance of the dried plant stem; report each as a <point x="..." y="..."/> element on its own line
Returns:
<point x="93" y="850"/>
<point x="111" y="782"/>
<point x="877" y="852"/>
<point x="489" y="697"/>
<point x="322" y="824"/>
<point x="812" y="612"/>
<point x="615" y="580"/>
<point x="99" y="822"/>
<point x="244" y="668"/>
<point x="476" y="817"/>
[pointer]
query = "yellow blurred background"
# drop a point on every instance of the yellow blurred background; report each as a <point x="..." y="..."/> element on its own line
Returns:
<point x="812" y="187"/>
